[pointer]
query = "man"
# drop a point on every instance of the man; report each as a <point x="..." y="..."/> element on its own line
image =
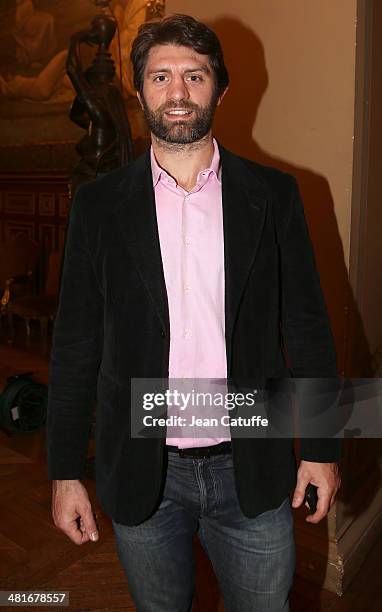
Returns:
<point x="186" y="264"/>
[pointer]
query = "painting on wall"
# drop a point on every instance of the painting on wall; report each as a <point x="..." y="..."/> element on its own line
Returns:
<point x="35" y="92"/>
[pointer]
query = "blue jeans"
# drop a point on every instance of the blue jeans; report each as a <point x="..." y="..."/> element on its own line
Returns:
<point x="253" y="558"/>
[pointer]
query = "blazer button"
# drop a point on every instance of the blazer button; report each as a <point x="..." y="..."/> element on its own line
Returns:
<point x="162" y="333"/>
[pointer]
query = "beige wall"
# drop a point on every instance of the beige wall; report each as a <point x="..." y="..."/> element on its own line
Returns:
<point x="291" y="104"/>
<point x="305" y="116"/>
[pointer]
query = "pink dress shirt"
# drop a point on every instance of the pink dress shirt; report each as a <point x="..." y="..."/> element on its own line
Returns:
<point x="190" y="226"/>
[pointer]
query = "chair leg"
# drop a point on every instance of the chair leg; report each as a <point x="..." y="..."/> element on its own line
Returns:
<point x="11" y="328"/>
<point x="44" y="333"/>
<point x="28" y="330"/>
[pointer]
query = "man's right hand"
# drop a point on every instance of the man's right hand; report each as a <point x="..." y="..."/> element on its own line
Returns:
<point x="72" y="511"/>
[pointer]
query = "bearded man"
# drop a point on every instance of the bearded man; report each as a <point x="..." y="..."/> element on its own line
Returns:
<point x="190" y="263"/>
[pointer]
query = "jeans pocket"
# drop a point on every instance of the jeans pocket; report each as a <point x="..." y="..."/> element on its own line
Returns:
<point x="274" y="513"/>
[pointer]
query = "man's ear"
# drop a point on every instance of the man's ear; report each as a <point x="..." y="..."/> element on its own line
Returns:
<point x="140" y="99"/>
<point x="220" y="99"/>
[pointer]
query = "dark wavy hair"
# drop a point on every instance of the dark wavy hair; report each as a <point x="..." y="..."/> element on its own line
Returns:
<point x="184" y="31"/>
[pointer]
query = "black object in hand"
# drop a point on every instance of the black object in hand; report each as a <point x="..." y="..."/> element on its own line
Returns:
<point x="311" y="497"/>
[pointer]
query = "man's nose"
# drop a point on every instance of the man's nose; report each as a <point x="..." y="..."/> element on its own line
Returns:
<point x="177" y="89"/>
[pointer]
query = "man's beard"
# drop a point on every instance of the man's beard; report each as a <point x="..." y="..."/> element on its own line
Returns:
<point x="182" y="131"/>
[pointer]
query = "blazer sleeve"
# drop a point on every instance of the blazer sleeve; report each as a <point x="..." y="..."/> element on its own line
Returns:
<point x="76" y="354"/>
<point x="305" y="322"/>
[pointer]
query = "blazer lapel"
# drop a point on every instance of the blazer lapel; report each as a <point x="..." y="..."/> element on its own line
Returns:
<point x="136" y="216"/>
<point x="244" y="211"/>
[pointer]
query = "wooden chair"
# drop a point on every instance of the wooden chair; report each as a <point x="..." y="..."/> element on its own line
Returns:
<point x="41" y="307"/>
<point x="18" y="261"/>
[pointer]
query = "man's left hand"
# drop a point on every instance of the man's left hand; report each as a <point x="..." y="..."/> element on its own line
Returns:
<point x="326" y="477"/>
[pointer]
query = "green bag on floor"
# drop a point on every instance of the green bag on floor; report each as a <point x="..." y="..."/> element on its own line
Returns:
<point x="23" y="404"/>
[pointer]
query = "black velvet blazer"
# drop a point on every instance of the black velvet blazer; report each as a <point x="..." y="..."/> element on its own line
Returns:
<point x="113" y="324"/>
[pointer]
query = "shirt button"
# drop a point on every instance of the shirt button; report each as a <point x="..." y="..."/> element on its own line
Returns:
<point x="187" y="332"/>
<point x="187" y="241"/>
<point x="187" y="287"/>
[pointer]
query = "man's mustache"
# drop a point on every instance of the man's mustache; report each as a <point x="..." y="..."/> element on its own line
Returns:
<point x="184" y="105"/>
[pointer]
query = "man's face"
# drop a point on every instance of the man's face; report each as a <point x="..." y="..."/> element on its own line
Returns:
<point x="179" y="94"/>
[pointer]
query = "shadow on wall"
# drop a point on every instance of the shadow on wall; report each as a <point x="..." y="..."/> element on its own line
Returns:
<point x="245" y="59"/>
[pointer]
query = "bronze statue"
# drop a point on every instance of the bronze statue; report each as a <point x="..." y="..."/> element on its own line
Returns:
<point x="98" y="107"/>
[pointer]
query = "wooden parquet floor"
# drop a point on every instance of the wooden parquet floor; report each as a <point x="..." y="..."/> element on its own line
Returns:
<point x="35" y="555"/>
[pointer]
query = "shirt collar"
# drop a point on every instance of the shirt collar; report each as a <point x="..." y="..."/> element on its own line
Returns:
<point x="214" y="168"/>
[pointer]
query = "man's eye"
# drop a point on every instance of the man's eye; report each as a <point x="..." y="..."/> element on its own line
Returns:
<point x="195" y="77"/>
<point x="160" y="78"/>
